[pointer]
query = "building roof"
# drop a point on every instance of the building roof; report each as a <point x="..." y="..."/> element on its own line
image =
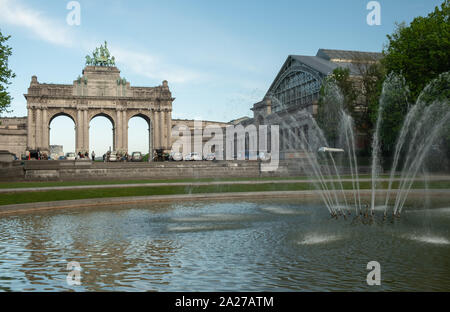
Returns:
<point x="346" y="55"/>
<point x="323" y="66"/>
<point x="326" y="60"/>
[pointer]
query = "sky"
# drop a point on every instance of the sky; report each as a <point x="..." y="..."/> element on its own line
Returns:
<point x="219" y="57"/>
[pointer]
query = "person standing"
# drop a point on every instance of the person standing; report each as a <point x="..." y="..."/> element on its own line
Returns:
<point x="93" y="156"/>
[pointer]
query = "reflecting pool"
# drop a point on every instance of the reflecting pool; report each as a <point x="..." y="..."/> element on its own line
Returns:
<point x="281" y="245"/>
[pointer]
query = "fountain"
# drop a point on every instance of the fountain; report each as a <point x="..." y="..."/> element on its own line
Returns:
<point x="424" y="124"/>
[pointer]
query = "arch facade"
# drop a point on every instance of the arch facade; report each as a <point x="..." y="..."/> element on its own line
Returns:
<point x="99" y="92"/>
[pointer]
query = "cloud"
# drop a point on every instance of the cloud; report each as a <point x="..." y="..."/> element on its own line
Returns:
<point x="57" y="33"/>
<point x="14" y="13"/>
<point x="153" y="67"/>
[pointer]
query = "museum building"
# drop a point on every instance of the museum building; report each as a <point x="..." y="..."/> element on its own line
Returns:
<point x="294" y="93"/>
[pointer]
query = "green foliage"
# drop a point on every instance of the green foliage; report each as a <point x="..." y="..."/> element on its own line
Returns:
<point x="359" y="98"/>
<point x="438" y="90"/>
<point x="394" y="99"/>
<point x="6" y="74"/>
<point x="331" y="100"/>
<point x="341" y="76"/>
<point x="420" y="51"/>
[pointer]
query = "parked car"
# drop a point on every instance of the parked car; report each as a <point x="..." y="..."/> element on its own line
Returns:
<point x="112" y="156"/>
<point x="194" y="156"/>
<point x="71" y="156"/>
<point x="62" y="158"/>
<point x="176" y="156"/>
<point x="136" y="156"/>
<point x="210" y="156"/>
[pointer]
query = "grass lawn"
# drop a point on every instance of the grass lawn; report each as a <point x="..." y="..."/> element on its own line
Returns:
<point x="4" y="185"/>
<point x="28" y="197"/>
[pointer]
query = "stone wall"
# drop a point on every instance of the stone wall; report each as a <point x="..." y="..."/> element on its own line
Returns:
<point x="13" y="135"/>
<point x="87" y="170"/>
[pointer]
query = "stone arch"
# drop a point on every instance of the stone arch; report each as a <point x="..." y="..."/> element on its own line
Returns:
<point x="106" y="114"/>
<point x="62" y="113"/>
<point x="150" y="124"/>
<point x="52" y="115"/>
<point x="109" y="114"/>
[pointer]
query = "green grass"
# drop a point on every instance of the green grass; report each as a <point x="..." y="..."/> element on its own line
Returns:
<point x="4" y="185"/>
<point x="29" y="197"/>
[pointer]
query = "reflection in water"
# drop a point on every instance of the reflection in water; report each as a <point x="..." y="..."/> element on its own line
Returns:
<point x="234" y="246"/>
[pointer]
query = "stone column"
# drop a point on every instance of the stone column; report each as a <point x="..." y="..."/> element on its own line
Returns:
<point x="169" y="128"/>
<point x="31" y="143"/>
<point x="151" y="134"/>
<point x="161" y="130"/>
<point x="85" y="131"/>
<point x="45" y="130"/>
<point x="38" y="128"/>
<point x="156" y="127"/>
<point x="79" y="132"/>
<point x="124" y="131"/>
<point x="118" y="130"/>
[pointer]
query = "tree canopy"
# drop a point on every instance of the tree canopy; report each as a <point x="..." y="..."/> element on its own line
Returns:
<point x="420" y="51"/>
<point x="6" y="73"/>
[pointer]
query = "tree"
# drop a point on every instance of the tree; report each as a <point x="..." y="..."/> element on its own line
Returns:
<point x="331" y="102"/>
<point x="394" y="107"/>
<point x="420" y="51"/>
<point x="6" y="73"/>
<point x="369" y="83"/>
<point x="342" y="78"/>
<point x="360" y="95"/>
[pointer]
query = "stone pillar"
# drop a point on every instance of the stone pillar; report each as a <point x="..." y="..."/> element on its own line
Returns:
<point x="151" y="134"/>
<point x="156" y="126"/>
<point x="118" y="130"/>
<point x="85" y="131"/>
<point x="31" y="143"/>
<point x="38" y="128"/>
<point x="45" y="131"/>
<point x="150" y="141"/>
<point x="124" y="131"/>
<point x="161" y="130"/>
<point x="79" y="132"/>
<point x="169" y="128"/>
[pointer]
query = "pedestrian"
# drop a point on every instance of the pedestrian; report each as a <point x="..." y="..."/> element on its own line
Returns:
<point x="93" y="156"/>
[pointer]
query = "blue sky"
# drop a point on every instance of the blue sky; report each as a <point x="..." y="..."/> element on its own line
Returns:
<point x="218" y="56"/>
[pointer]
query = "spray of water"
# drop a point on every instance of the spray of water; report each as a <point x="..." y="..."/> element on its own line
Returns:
<point x="422" y="127"/>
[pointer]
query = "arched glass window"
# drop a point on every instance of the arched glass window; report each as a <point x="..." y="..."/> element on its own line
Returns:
<point x="298" y="88"/>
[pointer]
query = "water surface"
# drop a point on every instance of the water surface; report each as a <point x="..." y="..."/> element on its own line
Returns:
<point x="282" y="245"/>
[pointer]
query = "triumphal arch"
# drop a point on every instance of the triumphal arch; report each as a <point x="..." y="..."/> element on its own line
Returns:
<point x="100" y="91"/>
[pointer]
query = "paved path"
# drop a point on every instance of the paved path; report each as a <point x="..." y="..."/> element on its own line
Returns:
<point x="104" y="186"/>
<point x="118" y="202"/>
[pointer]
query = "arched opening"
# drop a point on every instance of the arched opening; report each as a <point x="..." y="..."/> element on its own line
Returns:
<point x="101" y="135"/>
<point x="61" y="135"/>
<point x="139" y="135"/>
